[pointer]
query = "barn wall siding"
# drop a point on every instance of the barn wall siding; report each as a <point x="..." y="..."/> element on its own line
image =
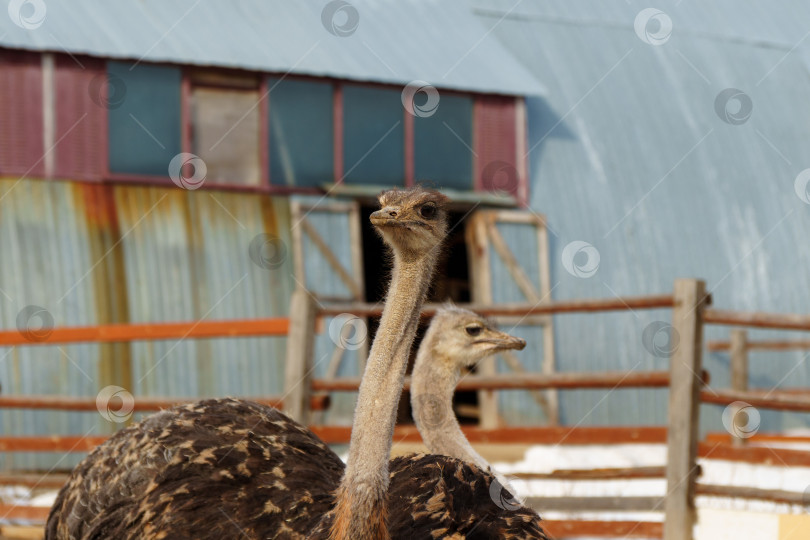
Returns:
<point x="183" y="256"/>
<point x="629" y="155"/>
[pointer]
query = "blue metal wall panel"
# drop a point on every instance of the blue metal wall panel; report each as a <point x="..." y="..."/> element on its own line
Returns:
<point x="629" y="155"/>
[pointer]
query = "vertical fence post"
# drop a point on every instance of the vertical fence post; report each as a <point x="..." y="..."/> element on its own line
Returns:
<point x="300" y="348"/>
<point x="684" y="408"/>
<point x="738" y="354"/>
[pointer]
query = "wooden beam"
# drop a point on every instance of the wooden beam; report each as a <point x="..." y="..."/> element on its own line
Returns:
<point x="758" y="319"/>
<point x="478" y="257"/>
<point x="13" y="512"/>
<point x="72" y="403"/>
<point x="772" y="399"/>
<point x="596" y="474"/>
<point x="521" y="435"/>
<point x="739" y="367"/>
<point x="743" y="492"/>
<point x="759" y="437"/>
<point x="21" y="532"/>
<point x="300" y="348"/>
<point x="779" y="457"/>
<point x="519" y="309"/>
<point x="775" y="345"/>
<point x="53" y="443"/>
<point x="278" y="326"/>
<point x="684" y="408"/>
<point x="505" y="435"/>
<point x="595" y="504"/>
<point x="559" y="529"/>
<point x="529" y="381"/>
<point x="33" y="480"/>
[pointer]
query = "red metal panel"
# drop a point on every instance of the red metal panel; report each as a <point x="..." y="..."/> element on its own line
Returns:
<point x="496" y="145"/>
<point x="81" y="118"/>
<point x="337" y="121"/>
<point x="21" y="142"/>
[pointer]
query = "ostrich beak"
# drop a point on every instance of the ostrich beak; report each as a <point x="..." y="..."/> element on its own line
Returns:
<point x="502" y="341"/>
<point x="385" y="216"/>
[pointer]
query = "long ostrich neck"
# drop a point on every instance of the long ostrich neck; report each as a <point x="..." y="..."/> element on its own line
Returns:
<point x="432" y="385"/>
<point x="362" y="495"/>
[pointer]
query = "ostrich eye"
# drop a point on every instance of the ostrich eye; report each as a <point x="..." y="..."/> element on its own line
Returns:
<point x="428" y="211"/>
<point x="473" y="330"/>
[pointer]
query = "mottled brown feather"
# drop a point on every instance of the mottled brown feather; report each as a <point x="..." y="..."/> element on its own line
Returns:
<point x="229" y="468"/>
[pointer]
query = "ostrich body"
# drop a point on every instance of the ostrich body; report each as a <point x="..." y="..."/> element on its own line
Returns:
<point x="230" y="468"/>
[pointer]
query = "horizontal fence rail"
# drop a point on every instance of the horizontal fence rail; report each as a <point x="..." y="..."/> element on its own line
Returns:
<point x="139" y="404"/>
<point x="764" y="400"/>
<point x="106" y="333"/>
<point x="757" y="319"/>
<point x="546" y="308"/>
<point x="579" y="380"/>
<point x="754" y="345"/>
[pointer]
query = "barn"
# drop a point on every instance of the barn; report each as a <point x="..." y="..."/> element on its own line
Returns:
<point x="170" y="174"/>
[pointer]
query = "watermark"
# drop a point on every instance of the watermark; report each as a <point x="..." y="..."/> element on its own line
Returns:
<point x="348" y="331"/>
<point x="115" y="404"/>
<point x="502" y="494"/>
<point x="733" y="106"/>
<point x="660" y="339"/>
<point x="107" y="90"/>
<point x="500" y="176"/>
<point x="428" y="99"/>
<point x="580" y="259"/>
<point x="187" y="171"/>
<point x="267" y="251"/>
<point x="340" y="18"/>
<point x="741" y="419"/>
<point x="802" y="186"/>
<point x="35" y="323"/>
<point x="27" y="14"/>
<point x="653" y="26"/>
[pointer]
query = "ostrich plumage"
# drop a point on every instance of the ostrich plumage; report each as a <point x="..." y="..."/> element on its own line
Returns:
<point x="219" y="469"/>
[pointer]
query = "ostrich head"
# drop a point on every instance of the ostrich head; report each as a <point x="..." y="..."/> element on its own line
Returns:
<point x="412" y="221"/>
<point x="461" y="338"/>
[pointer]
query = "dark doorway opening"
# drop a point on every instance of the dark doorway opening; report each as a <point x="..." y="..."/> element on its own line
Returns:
<point x="450" y="282"/>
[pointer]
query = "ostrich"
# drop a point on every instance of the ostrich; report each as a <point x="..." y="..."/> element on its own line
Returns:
<point x="230" y="468"/>
<point x="457" y="338"/>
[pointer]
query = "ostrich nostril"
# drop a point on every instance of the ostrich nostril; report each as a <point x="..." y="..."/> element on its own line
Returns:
<point x="392" y="213"/>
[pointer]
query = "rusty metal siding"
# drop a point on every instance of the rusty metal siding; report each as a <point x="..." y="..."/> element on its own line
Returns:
<point x="186" y="256"/>
<point x="44" y="243"/>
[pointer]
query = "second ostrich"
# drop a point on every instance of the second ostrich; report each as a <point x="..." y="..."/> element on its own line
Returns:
<point x="456" y="339"/>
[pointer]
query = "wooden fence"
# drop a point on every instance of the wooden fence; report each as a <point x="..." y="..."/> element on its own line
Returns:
<point x="686" y="379"/>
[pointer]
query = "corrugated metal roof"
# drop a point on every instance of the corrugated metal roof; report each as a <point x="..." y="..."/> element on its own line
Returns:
<point x="630" y="155"/>
<point x="385" y="41"/>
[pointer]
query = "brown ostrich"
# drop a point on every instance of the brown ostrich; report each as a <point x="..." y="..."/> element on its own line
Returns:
<point x="231" y="468"/>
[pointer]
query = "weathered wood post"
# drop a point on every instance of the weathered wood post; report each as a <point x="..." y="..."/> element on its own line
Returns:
<point x="300" y="348"/>
<point x="738" y="353"/>
<point x="684" y="408"/>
